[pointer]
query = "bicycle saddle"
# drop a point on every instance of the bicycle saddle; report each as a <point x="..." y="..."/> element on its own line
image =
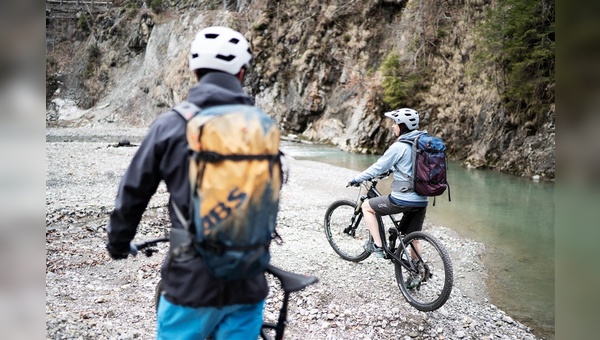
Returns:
<point x="291" y="282"/>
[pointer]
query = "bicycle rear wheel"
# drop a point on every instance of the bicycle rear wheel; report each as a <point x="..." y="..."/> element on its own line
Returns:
<point x="428" y="286"/>
<point x="347" y="232"/>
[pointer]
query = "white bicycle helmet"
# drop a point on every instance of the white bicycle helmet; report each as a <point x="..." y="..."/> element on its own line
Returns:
<point x="220" y="48"/>
<point x="407" y="116"/>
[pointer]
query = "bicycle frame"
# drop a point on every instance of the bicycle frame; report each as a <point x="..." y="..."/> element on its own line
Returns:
<point x="422" y="265"/>
<point x="393" y="232"/>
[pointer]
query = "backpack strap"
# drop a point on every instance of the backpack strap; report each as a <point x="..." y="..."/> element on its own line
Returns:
<point x="181" y="239"/>
<point x="408" y="185"/>
<point x="187" y="110"/>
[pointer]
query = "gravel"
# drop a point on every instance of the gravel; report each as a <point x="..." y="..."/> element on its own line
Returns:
<point x="88" y="295"/>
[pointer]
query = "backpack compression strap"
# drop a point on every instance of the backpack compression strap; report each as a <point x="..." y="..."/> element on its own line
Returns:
<point x="219" y="248"/>
<point x="203" y="157"/>
<point x="210" y="156"/>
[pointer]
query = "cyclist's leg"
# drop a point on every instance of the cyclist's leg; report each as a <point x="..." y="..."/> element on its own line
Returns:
<point x="180" y="322"/>
<point x="412" y="220"/>
<point x="241" y="322"/>
<point x="382" y="206"/>
<point x="371" y="220"/>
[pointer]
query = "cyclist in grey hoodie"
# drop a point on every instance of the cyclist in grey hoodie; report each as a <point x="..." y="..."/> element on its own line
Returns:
<point x="398" y="158"/>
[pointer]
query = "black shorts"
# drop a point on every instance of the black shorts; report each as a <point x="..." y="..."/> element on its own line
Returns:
<point x="412" y="217"/>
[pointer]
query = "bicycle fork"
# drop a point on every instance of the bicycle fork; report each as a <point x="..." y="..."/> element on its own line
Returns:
<point x="355" y="220"/>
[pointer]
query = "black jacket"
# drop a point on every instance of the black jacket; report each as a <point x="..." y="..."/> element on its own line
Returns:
<point x="163" y="156"/>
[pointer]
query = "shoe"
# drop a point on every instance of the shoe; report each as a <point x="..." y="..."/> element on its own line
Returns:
<point x="413" y="281"/>
<point x="372" y="248"/>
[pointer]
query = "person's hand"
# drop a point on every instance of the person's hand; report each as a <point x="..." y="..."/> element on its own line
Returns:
<point x="116" y="252"/>
<point x="353" y="183"/>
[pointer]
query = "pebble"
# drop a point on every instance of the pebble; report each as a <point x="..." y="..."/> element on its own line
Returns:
<point x="508" y="319"/>
<point x="342" y="305"/>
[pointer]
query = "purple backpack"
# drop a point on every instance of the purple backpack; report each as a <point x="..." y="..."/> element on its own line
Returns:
<point x="429" y="165"/>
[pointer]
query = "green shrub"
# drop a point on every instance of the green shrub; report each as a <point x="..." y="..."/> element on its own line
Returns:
<point x="132" y="9"/>
<point x="441" y="33"/>
<point x="82" y="23"/>
<point x="93" y="59"/>
<point x="398" y="85"/>
<point x="93" y="52"/>
<point x="133" y="5"/>
<point x="156" y="5"/>
<point x="518" y="38"/>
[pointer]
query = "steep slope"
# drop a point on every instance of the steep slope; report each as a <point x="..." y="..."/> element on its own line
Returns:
<point x="317" y="70"/>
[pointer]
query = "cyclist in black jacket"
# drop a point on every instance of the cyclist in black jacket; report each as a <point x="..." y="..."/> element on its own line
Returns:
<point x="195" y="304"/>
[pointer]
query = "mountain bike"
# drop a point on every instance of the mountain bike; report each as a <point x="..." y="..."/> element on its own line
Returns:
<point x="424" y="276"/>
<point x="290" y="282"/>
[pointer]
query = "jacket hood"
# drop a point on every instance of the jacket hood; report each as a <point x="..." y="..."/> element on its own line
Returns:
<point x="218" y="88"/>
<point x="412" y="134"/>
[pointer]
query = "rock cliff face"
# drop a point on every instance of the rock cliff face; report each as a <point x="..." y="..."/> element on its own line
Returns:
<point x="316" y="70"/>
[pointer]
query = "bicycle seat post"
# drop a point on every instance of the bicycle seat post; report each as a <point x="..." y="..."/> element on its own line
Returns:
<point x="282" y="321"/>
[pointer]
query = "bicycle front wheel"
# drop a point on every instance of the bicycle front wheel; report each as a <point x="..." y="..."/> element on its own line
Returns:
<point x="345" y="231"/>
<point x="426" y="279"/>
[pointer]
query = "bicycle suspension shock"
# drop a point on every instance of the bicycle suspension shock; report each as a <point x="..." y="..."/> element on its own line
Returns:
<point x="351" y="229"/>
<point x="359" y="204"/>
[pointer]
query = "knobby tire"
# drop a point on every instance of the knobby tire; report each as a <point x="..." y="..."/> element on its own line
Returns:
<point x="435" y="275"/>
<point x="348" y="244"/>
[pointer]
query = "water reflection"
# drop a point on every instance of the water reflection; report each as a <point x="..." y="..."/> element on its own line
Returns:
<point x="512" y="216"/>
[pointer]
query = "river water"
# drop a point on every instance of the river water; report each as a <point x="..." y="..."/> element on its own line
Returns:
<point x="512" y="216"/>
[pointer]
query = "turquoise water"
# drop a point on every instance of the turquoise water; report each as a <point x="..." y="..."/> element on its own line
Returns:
<point x="512" y="216"/>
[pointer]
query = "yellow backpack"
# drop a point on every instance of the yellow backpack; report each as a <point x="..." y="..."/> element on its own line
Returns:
<point x="235" y="176"/>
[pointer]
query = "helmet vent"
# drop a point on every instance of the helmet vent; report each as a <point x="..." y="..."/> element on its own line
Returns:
<point x="226" y="58"/>
<point x="211" y="35"/>
<point x="234" y="41"/>
<point x="194" y="55"/>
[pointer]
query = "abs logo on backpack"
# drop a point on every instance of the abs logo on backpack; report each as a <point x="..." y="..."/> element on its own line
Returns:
<point x="235" y="177"/>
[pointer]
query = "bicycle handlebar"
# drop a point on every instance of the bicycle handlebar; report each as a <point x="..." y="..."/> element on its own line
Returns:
<point x="146" y="246"/>
<point x="374" y="179"/>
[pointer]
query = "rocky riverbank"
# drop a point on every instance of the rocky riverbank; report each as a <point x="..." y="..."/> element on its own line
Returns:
<point x="90" y="296"/>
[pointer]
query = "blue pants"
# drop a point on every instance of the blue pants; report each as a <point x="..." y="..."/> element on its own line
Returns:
<point x="229" y="322"/>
